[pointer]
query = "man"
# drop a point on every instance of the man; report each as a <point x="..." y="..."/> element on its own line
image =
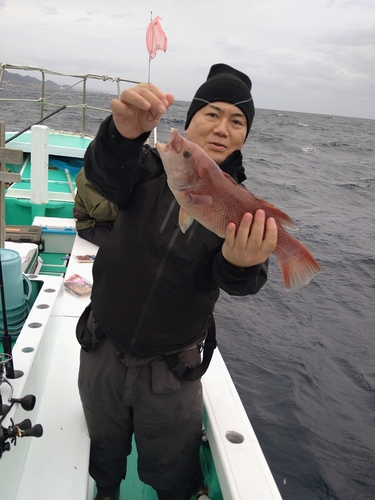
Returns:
<point x="155" y="288"/>
<point x="94" y="214"/>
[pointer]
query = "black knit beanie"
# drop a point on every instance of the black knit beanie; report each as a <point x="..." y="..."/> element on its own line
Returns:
<point x="224" y="84"/>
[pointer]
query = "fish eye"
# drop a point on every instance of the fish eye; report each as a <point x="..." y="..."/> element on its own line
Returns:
<point x="186" y="153"/>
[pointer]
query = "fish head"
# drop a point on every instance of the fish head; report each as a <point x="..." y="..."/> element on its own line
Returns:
<point x="181" y="161"/>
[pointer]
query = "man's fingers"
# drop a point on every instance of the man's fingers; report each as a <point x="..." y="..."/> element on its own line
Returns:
<point x="252" y="242"/>
<point x="147" y="97"/>
<point x="270" y="239"/>
<point x="122" y="108"/>
<point x="230" y="234"/>
<point x="139" y="109"/>
<point x="243" y="230"/>
<point x="257" y="229"/>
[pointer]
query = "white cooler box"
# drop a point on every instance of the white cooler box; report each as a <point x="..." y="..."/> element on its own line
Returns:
<point x="30" y="262"/>
<point x="58" y="233"/>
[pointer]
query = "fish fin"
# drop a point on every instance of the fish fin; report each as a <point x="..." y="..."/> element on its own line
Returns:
<point x="199" y="200"/>
<point x="281" y="216"/>
<point x="185" y="220"/>
<point x="297" y="264"/>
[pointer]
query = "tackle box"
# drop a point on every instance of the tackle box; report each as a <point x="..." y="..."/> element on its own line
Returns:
<point x="25" y="234"/>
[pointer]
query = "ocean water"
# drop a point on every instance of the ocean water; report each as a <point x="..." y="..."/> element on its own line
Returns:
<point x="303" y="361"/>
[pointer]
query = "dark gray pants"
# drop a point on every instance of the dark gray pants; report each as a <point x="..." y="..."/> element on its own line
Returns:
<point x="164" y="413"/>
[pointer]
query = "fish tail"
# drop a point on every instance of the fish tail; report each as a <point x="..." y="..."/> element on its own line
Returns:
<point x="297" y="264"/>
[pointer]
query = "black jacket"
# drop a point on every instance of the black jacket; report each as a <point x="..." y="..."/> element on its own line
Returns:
<point x="154" y="287"/>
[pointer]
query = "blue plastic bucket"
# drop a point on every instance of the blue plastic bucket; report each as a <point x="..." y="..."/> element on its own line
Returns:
<point x="15" y="319"/>
<point x="17" y="287"/>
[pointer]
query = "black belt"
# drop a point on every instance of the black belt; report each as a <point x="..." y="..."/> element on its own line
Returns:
<point x="89" y="340"/>
<point x="183" y="371"/>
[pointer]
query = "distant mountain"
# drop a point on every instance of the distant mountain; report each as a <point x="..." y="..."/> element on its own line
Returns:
<point x="27" y="80"/>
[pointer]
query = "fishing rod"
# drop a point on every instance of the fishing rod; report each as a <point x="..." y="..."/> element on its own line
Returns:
<point x="37" y="123"/>
<point x="24" y="428"/>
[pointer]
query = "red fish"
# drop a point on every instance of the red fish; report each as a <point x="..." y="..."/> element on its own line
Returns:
<point x="210" y="196"/>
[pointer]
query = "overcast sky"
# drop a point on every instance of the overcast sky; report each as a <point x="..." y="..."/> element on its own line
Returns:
<point x="314" y="56"/>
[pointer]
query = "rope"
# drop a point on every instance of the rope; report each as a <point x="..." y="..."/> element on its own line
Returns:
<point x="82" y="79"/>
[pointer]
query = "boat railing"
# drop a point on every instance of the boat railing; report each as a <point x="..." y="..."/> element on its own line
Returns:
<point x="45" y="99"/>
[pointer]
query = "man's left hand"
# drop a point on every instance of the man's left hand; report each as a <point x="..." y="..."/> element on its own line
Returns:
<point x="253" y="242"/>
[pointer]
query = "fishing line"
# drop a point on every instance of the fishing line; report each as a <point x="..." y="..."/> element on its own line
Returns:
<point x="153" y="286"/>
<point x="260" y="131"/>
<point x="153" y="118"/>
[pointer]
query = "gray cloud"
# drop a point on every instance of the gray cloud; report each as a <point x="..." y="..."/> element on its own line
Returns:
<point x="48" y="10"/>
<point x="305" y="56"/>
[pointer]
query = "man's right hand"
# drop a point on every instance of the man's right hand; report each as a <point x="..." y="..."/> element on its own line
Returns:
<point x="139" y="109"/>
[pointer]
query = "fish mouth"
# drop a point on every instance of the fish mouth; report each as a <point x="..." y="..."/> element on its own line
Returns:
<point x="175" y="143"/>
<point x="160" y="147"/>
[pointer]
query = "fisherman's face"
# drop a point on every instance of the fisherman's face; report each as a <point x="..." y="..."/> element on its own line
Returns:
<point x="219" y="129"/>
